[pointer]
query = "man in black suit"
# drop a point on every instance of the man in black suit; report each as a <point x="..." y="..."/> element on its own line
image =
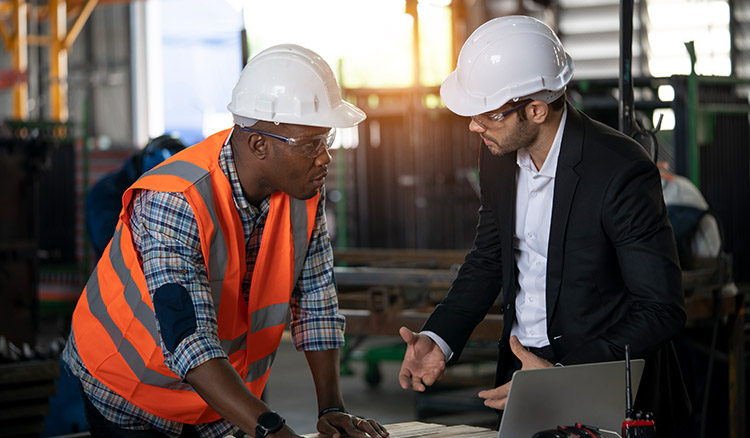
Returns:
<point x="572" y="228"/>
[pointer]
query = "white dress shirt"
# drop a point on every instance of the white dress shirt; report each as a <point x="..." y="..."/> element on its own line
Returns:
<point x="535" y="189"/>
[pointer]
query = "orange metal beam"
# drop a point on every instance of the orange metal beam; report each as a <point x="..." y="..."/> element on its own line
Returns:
<point x="7" y="38"/>
<point x="20" y="60"/>
<point x="38" y="40"/>
<point x="58" y="62"/>
<point x="59" y="40"/>
<point x="83" y="16"/>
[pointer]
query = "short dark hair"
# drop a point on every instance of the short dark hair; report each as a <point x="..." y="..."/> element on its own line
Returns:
<point x="555" y="105"/>
<point x="558" y="103"/>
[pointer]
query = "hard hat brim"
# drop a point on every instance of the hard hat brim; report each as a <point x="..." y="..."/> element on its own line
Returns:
<point x="458" y="101"/>
<point x="345" y="115"/>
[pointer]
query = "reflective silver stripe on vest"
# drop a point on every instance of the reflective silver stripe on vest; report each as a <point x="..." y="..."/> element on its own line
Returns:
<point x="124" y="347"/>
<point x="131" y="293"/>
<point x="218" y="255"/>
<point x="230" y="346"/>
<point x="298" y="210"/>
<point x="269" y="316"/>
<point x="260" y="367"/>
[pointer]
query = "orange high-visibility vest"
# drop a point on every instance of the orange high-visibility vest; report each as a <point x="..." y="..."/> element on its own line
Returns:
<point x="114" y="323"/>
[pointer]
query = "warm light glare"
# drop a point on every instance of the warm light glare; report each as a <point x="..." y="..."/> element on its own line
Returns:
<point x="367" y="43"/>
<point x="675" y="22"/>
<point x="346" y="138"/>
<point x="435" y="2"/>
<point x="666" y="93"/>
<point x="668" y="122"/>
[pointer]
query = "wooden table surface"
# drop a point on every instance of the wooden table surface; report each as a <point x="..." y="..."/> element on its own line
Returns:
<point x="417" y="429"/>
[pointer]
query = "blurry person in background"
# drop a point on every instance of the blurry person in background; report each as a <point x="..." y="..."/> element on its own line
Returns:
<point x="696" y="230"/>
<point x="104" y="200"/>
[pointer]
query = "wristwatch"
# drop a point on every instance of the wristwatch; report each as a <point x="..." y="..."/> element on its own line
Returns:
<point x="268" y="423"/>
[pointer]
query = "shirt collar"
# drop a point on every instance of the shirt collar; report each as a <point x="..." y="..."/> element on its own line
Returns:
<point x="549" y="168"/>
<point x="226" y="162"/>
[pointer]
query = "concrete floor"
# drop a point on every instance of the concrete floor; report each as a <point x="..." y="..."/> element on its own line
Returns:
<point x="290" y="391"/>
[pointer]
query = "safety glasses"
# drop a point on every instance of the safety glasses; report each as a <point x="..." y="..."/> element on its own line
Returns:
<point x="487" y="120"/>
<point x="310" y="146"/>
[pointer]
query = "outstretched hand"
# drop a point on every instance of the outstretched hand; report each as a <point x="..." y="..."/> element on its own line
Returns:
<point x="498" y="397"/>
<point x="424" y="361"/>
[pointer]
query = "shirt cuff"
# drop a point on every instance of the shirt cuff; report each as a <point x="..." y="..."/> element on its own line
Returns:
<point x="194" y="351"/>
<point x="447" y="351"/>
<point x="318" y="333"/>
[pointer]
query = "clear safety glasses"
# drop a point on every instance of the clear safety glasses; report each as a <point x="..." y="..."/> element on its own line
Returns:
<point x="310" y="146"/>
<point x="487" y="120"/>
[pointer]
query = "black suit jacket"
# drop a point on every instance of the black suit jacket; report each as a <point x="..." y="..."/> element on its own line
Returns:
<point x="613" y="275"/>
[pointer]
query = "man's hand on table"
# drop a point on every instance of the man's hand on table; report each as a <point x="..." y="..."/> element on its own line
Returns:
<point x="338" y="424"/>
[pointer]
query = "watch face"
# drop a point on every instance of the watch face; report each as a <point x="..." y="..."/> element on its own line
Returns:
<point x="271" y="422"/>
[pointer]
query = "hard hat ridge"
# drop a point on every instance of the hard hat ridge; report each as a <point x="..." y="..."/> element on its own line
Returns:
<point x="288" y="83"/>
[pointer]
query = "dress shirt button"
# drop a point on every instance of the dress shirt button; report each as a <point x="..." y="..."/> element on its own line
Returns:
<point x="530" y="235"/>
<point x="531" y="332"/>
<point x="531" y="299"/>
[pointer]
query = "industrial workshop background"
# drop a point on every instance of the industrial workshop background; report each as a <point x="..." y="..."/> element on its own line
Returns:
<point x="85" y="83"/>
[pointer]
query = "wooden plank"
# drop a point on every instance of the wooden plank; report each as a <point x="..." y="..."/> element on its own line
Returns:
<point x="698" y="306"/>
<point x="29" y="371"/>
<point x="365" y="276"/>
<point x="403" y="258"/>
<point x="414" y="429"/>
<point x="365" y="322"/>
<point x="38" y="390"/>
<point x="36" y="408"/>
<point x="702" y="306"/>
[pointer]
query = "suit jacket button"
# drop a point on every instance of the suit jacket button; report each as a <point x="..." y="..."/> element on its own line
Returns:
<point x="507" y="307"/>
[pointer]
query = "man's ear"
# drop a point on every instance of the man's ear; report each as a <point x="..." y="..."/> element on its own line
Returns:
<point x="538" y="111"/>
<point x="257" y="145"/>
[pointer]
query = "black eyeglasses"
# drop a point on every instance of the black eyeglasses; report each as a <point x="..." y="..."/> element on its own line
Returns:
<point x="310" y="146"/>
<point x="486" y="120"/>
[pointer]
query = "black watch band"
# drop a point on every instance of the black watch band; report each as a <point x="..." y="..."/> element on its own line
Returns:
<point x="268" y="423"/>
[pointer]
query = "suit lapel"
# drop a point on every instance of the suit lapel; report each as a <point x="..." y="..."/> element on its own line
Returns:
<point x="566" y="181"/>
<point x="507" y="205"/>
<point x="498" y="179"/>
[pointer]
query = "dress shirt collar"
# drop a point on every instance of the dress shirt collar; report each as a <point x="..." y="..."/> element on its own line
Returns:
<point x="226" y="162"/>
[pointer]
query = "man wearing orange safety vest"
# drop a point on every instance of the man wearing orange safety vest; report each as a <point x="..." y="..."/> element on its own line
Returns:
<point x="177" y="328"/>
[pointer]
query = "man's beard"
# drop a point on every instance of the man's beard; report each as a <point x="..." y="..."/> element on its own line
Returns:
<point x="524" y="134"/>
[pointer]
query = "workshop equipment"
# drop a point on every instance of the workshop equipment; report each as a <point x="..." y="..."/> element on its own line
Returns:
<point x="25" y="388"/>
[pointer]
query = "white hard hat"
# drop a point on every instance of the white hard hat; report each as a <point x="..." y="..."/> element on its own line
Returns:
<point x="291" y="84"/>
<point x="507" y="58"/>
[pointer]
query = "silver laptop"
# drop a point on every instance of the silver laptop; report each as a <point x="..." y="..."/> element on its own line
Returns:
<point x="590" y="394"/>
